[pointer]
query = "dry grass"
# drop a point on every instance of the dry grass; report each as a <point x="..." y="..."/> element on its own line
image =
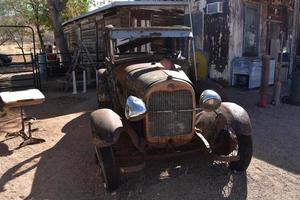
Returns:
<point x="12" y="48"/>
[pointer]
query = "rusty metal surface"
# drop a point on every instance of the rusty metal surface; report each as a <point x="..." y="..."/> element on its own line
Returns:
<point x="151" y="32"/>
<point x="237" y="118"/>
<point x="195" y="150"/>
<point x="264" y="80"/>
<point x="106" y="127"/>
<point x="137" y="141"/>
<point x="102" y="86"/>
<point x="173" y="140"/>
<point x="132" y="169"/>
<point x="217" y="34"/>
<point x="170" y="123"/>
<point x="141" y="76"/>
<point x="234" y="115"/>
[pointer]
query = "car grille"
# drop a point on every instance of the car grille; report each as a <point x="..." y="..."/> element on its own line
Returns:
<point x="170" y="123"/>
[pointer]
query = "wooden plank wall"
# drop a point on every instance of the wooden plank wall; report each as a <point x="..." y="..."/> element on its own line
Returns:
<point x="93" y="26"/>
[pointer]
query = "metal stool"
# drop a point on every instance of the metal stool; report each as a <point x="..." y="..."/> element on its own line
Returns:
<point x="21" y="99"/>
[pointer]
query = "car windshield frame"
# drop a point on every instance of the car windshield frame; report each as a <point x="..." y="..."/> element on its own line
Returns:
<point x="151" y="32"/>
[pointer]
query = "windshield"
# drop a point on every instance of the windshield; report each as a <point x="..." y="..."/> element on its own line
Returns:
<point x="179" y="47"/>
<point x="170" y="42"/>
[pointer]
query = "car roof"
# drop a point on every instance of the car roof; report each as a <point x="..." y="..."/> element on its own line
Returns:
<point x="152" y="32"/>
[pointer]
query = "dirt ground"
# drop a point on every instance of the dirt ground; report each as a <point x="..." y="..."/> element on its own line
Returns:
<point x="64" y="167"/>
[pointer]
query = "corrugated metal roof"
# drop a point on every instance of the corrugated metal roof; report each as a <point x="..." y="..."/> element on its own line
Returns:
<point x="127" y="3"/>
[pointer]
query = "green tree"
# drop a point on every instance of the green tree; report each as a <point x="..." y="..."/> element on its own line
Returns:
<point x="61" y="10"/>
<point x="74" y="8"/>
<point x="32" y="12"/>
<point x="36" y="13"/>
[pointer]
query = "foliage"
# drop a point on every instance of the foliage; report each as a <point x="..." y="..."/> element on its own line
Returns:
<point x="75" y="8"/>
<point x="36" y="13"/>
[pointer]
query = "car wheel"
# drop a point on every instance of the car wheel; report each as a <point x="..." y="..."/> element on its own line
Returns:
<point x="109" y="168"/>
<point x="244" y="151"/>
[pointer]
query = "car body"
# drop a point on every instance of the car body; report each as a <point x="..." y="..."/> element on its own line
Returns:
<point x="148" y="105"/>
<point x="5" y="59"/>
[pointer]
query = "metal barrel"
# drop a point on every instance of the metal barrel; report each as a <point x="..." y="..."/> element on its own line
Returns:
<point x="295" y="89"/>
<point x="42" y="63"/>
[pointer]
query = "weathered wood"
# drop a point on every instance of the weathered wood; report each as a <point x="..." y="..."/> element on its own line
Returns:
<point x="120" y="17"/>
<point x="294" y="41"/>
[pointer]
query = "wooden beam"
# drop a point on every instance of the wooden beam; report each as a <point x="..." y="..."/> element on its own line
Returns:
<point x="294" y="41"/>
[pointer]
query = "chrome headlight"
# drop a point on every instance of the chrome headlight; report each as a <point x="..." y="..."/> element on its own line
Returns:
<point x="210" y="100"/>
<point x="135" y="109"/>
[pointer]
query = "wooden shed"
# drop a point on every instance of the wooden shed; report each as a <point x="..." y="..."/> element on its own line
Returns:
<point x="89" y="27"/>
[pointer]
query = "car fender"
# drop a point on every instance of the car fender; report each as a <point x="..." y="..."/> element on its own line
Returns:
<point x="106" y="127"/>
<point x="230" y="115"/>
<point x="237" y="118"/>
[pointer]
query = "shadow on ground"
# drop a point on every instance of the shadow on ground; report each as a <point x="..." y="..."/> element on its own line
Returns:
<point x="275" y="130"/>
<point x="59" y="104"/>
<point x="4" y="151"/>
<point x="68" y="171"/>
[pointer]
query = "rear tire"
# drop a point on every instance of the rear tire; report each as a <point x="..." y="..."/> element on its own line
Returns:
<point x="244" y="151"/>
<point x="109" y="167"/>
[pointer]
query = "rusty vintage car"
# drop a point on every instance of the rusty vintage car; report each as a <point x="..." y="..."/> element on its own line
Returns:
<point x="149" y="106"/>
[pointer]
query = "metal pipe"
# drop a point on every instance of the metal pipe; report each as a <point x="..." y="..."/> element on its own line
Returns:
<point x="34" y="48"/>
<point x="84" y="81"/>
<point x="193" y="42"/>
<point x="264" y="81"/>
<point x="74" y="82"/>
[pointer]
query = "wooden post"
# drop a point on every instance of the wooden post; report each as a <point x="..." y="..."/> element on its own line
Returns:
<point x="277" y="84"/>
<point x="264" y="81"/>
<point x="84" y="81"/>
<point x="294" y="42"/>
<point x="74" y="83"/>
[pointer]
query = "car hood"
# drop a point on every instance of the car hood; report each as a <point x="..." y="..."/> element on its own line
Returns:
<point x="139" y="77"/>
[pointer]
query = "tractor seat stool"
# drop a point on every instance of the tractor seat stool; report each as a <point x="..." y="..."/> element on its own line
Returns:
<point x="20" y="99"/>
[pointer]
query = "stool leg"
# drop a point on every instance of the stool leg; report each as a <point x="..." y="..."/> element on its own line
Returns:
<point x="29" y="129"/>
<point x="21" y="132"/>
<point x="31" y="140"/>
<point x="22" y="118"/>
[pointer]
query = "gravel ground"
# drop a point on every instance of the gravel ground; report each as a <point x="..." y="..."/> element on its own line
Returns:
<point x="64" y="167"/>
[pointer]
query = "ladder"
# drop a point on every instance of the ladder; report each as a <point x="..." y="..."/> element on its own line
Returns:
<point x="78" y="63"/>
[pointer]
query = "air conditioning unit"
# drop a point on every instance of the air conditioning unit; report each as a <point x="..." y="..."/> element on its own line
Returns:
<point x="214" y="8"/>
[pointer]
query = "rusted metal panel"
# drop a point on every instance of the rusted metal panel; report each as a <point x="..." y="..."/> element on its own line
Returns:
<point x="142" y="76"/>
<point x="170" y="139"/>
<point x="106" y="127"/>
<point x="217" y="35"/>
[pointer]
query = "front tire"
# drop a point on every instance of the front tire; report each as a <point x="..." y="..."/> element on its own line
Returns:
<point x="109" y="167"/>
<point x="244" y="151"/>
